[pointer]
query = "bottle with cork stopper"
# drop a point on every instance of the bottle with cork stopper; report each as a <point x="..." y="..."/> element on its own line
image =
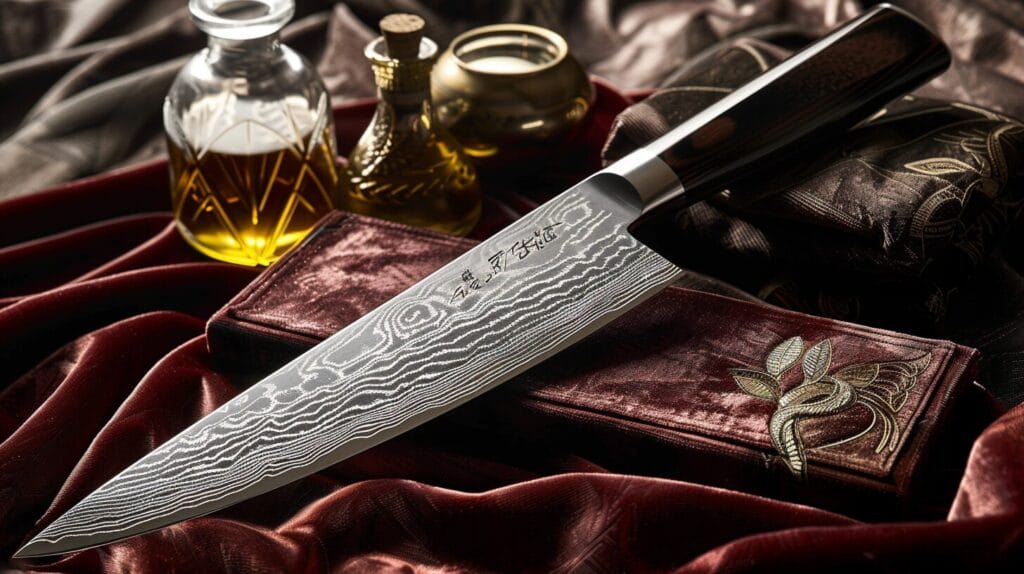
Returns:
<point x="406" y="167"/>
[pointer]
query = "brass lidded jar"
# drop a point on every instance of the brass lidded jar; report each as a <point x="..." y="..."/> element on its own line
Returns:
<point x="406" y="167"/>
<point x="508" y="90"/>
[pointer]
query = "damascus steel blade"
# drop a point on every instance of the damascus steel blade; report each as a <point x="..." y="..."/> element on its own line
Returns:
<point x="546" y="281"/>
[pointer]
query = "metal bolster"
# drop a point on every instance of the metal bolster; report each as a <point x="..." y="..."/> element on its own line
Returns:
<point x="652" y="178"/>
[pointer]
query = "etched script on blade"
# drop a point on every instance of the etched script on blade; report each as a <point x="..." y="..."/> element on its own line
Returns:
<point x="502" y="258"/>
<point x="418" y="355"/>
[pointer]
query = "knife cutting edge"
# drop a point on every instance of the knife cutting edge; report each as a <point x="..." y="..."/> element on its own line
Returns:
<point x="554" y="276"/>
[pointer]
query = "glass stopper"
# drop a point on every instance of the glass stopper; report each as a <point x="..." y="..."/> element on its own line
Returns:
<point x="241" y="19"/>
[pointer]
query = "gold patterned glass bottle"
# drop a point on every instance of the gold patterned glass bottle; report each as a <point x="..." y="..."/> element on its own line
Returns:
<point x="250" y="136"/>
<point x="406" y="168"/>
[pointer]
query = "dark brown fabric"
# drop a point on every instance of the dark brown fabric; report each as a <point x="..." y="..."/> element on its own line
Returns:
<point x="924" y="188"/>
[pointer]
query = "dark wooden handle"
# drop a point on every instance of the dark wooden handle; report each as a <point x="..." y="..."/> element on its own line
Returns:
<point x="809" y="99"/>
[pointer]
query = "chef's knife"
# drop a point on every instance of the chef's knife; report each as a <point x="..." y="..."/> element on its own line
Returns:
<point x="543" y="283"/>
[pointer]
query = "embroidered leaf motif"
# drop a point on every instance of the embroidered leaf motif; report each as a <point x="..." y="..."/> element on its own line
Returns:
<point x="939" y="166"/>
<point x="784" y="356"/>
<point x="756" y="383"/>
<point x="882" y="388"/>
<point x="817" y="361"/>
<point x="886" y="395"/>
<point x="860" y="375"/>
<point x="920" y="363"/>
<point x="809" y="400"/>
<point x="787" y="442"/>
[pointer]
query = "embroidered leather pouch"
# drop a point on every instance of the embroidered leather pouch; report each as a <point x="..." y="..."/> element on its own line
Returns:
<point x="690" y="385"/>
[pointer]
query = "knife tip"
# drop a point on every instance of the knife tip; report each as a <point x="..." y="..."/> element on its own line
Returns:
<point x="34" y="549"/>
<point x="38" y="547"/>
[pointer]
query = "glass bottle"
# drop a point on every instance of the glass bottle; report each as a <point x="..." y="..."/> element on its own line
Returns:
<point x="405" y="167"/>
<point x="250" y="136"/>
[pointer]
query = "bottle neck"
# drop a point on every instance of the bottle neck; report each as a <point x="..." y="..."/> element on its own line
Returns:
<point x="407" y="102"/>
<point x="403" y="85"/>
<point x="241" y="55"/>
<point x="406" y="112"/>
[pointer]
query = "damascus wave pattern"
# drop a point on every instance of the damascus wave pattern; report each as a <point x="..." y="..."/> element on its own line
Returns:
<point x="568" y="268"/>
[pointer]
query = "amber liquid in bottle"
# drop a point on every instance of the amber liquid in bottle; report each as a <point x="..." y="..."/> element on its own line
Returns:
<point x="250" y="208"/>
<point x="250" y="136"/>
<point x="404" y="170"/>
<point x="407" y="168"/>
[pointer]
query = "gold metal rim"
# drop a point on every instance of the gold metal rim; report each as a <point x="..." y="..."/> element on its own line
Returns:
<point x="551" y="37"/>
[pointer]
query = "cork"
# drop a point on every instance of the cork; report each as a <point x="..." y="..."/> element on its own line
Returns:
<point x="402" y="34"/>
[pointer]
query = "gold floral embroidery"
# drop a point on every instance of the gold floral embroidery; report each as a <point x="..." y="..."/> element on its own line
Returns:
<point x="939" y="166"/>
<point x="881" y="388"/>
<point x="983" y="168"/>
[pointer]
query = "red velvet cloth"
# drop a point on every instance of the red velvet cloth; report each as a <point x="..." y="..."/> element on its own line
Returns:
<point x="103" y="357"/>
